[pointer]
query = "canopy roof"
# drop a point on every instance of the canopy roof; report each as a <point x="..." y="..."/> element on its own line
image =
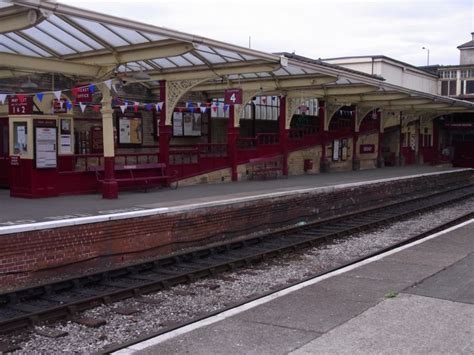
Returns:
<point x="45" y="36"/>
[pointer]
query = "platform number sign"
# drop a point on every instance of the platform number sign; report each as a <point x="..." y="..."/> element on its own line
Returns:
<point x="20" y="105"/>
<point x="233" y="97"/>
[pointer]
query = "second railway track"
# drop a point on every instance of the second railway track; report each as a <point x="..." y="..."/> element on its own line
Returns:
<point x="58" y="300"/>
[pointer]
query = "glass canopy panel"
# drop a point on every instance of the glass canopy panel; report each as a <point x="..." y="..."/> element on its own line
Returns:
<point x="249" y="57"/>
<point x="180" y="61"/>
<point x="294" y="70"/>
<point x="228" y="54"/>
<point x="74" y="32"/>
<point x="281" y="72"/>
<point x="263" y="74"/>
<point x="145" y="65"/>
<point x="164" y="63"/>
<point x="130" y="35"/>
<point x="193" y="59"/>
<point x="47" y="41"/>
<point x="5" y="49"/>
<point x="249" y="75"/>
<point x="100" y="31"/>
<point x="233" y="77"/>
<point x="212" y="58"/>
<point x="153" y="37"/>
<point x="22" y="49"/>
<point x="65" y="37"/>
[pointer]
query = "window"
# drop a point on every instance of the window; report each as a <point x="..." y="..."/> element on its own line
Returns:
<point x="469" y="86"/>
<point x="448" y="87"/>
<point x="467" y="73"/>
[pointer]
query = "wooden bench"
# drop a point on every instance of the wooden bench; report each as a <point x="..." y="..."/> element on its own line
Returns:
<point x="267" y="167"/>
<point x="137" y="175"/>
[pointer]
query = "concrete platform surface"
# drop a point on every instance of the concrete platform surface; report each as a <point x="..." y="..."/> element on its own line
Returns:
<point x="418" y="299"/>
<point x="18" y="211"/>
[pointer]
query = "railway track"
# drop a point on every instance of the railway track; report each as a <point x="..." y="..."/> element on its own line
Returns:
<point x="64" y="299"/>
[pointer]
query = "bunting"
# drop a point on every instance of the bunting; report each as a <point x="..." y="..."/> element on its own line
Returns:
<point x="2" y="98"/>
<point x="123" y="108"/>
<point x="40" y="96"/>
<point x="57" y="94"/>
<point x="82" y="106"/>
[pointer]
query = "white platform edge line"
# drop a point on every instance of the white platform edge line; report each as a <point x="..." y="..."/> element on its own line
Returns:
<point x="185" y="208"/>
<point x="227" y="314"/>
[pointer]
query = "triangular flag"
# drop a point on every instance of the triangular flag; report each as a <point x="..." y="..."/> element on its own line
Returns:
<point x="189" y="104"/>
<point x="68" y="105"/>
<point x="148" y="107"/>
<point x="82" y="106"/>
<point x="203" y="109"/>
<point x="198" y="104"/>
<point x="135" y="106"/>
<point x="40" y="96"/>
<point x="2" y="98"/>
<point x="159" y="106"/>
<point x="108" y="83"/>
<point x="123" y="108"/>
<point x="226" y="107"/>
<point x="96" y="108"/>
<point x="91" y="88"/>
<point x="57" y="94"/>
<point x="191" y="109"/>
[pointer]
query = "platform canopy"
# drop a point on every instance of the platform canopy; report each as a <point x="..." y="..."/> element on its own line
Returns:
<point x="38" y="36"/>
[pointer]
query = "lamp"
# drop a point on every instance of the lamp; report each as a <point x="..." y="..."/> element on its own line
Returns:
<point x="428" y="56"/>
<point x="141" y="75"/>
<point x="29" y="85"/>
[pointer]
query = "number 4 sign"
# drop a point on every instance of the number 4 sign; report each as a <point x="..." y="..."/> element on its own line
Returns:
<point x="233" y="96"/>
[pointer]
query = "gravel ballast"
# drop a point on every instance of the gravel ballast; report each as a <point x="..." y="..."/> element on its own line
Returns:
<point x="184" y="302"/>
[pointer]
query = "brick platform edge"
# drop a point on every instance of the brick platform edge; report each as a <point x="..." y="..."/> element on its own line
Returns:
<point x="33" y="256"/>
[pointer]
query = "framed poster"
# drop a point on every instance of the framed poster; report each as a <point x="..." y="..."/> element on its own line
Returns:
<point x="130" y="129"/>
<point x="344" y="149"/>
<point x="335" y="149"/>
<point x="20" y="138"/>
<point x="177" y="124"/>
<point x="65" y="137"/>
<point x="187" y="124"/>
<point x="96" y="140"/>
<point x="45" y="147"/>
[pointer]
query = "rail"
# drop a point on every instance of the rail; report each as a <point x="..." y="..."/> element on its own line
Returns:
<point x="62" y="299"/>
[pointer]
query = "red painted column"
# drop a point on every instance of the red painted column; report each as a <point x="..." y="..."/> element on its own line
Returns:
<point x="435" y="147"/>
<point x="400" y="153"/>
<point x="164" y="129"/>
<point x="283" y="134"/>
<point x="232" y="135"/>
<point x="324" y="164"/>
<point x="355" y="161"/>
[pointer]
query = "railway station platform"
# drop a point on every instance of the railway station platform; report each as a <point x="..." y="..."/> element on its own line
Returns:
<point x="17" y="211"/>
<point x="416" y="299"/>
<point x="65" y="236"/>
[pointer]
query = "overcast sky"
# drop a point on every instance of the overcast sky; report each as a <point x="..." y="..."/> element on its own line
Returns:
<point x="315" y="28"/>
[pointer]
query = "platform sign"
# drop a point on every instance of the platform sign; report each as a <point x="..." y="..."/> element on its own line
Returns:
<point x="367" y="148"/>
<point x="20" y="105"/>
<point x="82" y="94"/>
<point x="233" y="96"/>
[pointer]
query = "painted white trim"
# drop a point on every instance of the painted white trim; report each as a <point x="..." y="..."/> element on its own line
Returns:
<point x="234" y="311"/>
<point x="187" y="208"/>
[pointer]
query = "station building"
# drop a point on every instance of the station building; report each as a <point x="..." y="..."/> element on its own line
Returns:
<point x="94" y="103"/>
